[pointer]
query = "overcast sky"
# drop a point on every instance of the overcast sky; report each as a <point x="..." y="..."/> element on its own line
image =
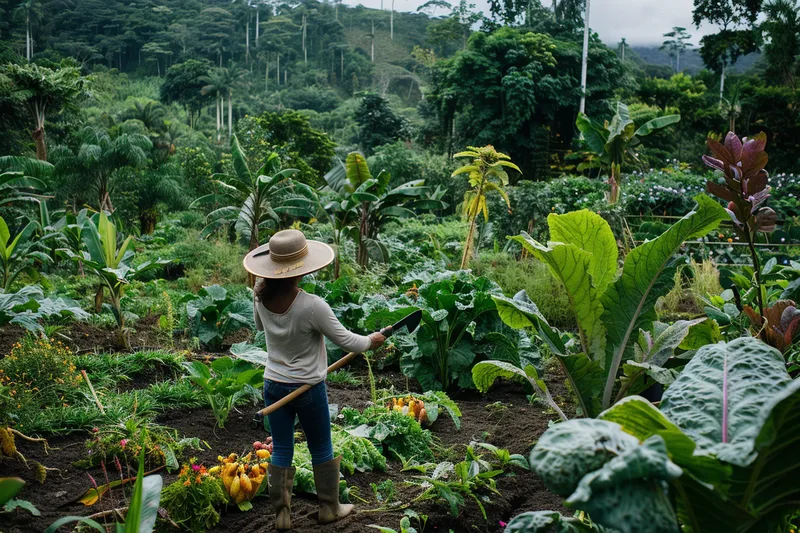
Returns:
<point x="641" y="22"/>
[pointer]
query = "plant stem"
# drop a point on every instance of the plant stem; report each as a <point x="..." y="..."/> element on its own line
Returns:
<point x="757" y="270"/>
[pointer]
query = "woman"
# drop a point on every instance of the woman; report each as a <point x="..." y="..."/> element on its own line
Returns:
<point x="294" y="323"/>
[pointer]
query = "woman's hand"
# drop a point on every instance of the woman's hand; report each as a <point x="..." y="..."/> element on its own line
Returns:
<point x="377" y="339"/>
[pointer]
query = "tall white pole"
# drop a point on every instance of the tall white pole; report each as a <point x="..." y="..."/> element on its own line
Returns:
<point x="585" y="59"/>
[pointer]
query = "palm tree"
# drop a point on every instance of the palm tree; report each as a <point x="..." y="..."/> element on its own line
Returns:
<point x="247" y="197"/>
<point x="222" y="81"/>
<point x="99" y="156"/>
<point x="32" y="12"/>
<point x="486" y="173"/>
<point x="44" y="90"/>
<point x="21" y="178"/>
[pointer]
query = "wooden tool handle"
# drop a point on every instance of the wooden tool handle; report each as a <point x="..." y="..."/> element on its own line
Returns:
<point x="300" y="390"/>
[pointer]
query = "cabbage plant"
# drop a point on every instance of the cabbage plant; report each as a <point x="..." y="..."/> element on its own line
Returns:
<point x="719" y="455"/>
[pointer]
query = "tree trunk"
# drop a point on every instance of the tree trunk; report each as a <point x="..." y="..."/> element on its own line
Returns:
<point x="98" y="299"/>
<point x="247" y="42"/>
<point x="257" y="10"/>
<point x="722" y="83"/>
<point x="678" y="61"/>
<point x="41" y="147"/>
<point x="363" y="256"/>
<point x="468" y="244"/>
<point x="584" y="61"/>
<point x="278" y="71"/>
<point x="391" y="22"/>
<point x="230" y="114"/>
<point x="266" y="77"/>
<point x="219" y="125"/>
<point x="28" y="44"/>
<point x="222" y="115"/>
<point x="372" y="56"/>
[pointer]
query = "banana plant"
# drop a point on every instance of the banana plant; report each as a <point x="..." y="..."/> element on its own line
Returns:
<point x="613" y="142"/>
<point x="110" y="263"/>
<point x="358" y="204"/>
<point x="18" y="255"/>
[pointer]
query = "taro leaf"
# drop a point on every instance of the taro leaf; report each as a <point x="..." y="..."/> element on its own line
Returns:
<point x="550" y="522"/>
<point x="570" y="450"/>
<point x="629" y="302"/>
<point x="706" y="332"/>
<point x="572" y="265"/>
<point x="590" y="232"/>
<point x="722" y="397"/>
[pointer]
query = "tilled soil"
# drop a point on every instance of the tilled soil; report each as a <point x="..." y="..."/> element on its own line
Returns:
<point x="504" y="418"/>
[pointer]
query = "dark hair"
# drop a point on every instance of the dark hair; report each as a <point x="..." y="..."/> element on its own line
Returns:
<point x="266" y="289"/>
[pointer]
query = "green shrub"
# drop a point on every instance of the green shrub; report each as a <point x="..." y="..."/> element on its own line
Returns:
<point x="39" y="372"/>
<point x="194" y="498"/>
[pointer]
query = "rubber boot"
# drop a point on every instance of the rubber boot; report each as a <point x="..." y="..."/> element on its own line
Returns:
<point x="326" y="478"/>
<point x="281" y="480"/>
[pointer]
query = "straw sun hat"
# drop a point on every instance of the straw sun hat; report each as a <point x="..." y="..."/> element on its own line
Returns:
<point x="288" y="254"/>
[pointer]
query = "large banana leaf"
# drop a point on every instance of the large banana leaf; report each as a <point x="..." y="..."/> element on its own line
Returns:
<point x="593" y="133"/>
<point x="656" y="124"/>
<point x="629" y="302"/>
<point x="357" y="171"/>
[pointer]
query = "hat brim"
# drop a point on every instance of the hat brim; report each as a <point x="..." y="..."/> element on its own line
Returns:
<point x="261" y="264"/>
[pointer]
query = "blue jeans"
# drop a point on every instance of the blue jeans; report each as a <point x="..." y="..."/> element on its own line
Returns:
<point x="312" y="410"/>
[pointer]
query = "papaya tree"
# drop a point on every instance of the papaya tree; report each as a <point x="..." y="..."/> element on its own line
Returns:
<point x="486" y="173"/>
<point x="612" y="143"/>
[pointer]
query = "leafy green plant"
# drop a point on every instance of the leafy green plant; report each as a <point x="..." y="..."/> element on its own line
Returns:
<point x="405" y="523"/>
<point x="486" y="173"/>
<point x="459" y="324"/>
<point x="212" y="315"/>
<point x="247" y="198"/>
<point x="123" y="441"/>
<point x="501" y="458"/>
<point x="18" y="255"/>
<point x="714" y="457"/>
<point x="193" y="499"/>
<point x="28" y="306"/>
<point x="110" y="263"/>
<point x="225" y="382"/>
<point x="610" y="312"/>
<point x="434" y="402"/>
<point x="39" y="372"/>
<point x="613" y="142"/>
<point x="454" y="483"/>
<point x="384" y="492"/>
<point x="397" y="433"/>
<point x="343" y="377"/>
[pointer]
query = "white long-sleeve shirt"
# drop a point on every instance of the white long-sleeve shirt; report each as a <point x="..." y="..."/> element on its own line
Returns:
<point x="295" y="345"/>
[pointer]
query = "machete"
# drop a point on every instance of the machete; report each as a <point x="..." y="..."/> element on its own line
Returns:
<point x="410" y="322"/>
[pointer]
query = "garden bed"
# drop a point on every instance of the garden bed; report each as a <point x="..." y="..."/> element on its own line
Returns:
<point x="505" y="419"/>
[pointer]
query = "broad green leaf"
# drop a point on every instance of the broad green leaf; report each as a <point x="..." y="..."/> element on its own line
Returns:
<point x="656" y="124"/>
<point x="520" y="312"/>
<point x="572" y="265"/>
<point x="485" y="373"/>
<point x="550" y="522"/>
<point x="108" y="236"/>
<point x="722" y="397"/>
<point x="13" y="504"/>
<point x="586" y="379"/>
<point x="357" y="171"/>
<point x="250" y="353"/>
<point x="53" y="528"/>
<point x="641" y="419"/>
<point x="591" y="233"/>
<point x="5" y="235"/>
<point x="239" y="161"/>
<point x="629" y="303"/>
<point x="9" y="487"/>
<point x="593" y="133"/>
<point x="570" y="450"/>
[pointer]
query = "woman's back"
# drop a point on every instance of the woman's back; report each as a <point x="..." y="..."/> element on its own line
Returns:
<point x="295" y="344"/>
